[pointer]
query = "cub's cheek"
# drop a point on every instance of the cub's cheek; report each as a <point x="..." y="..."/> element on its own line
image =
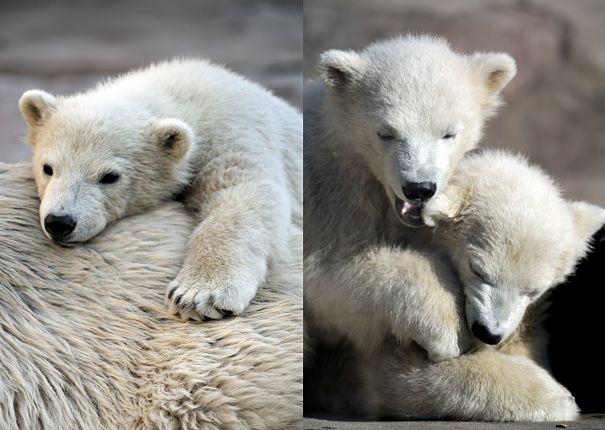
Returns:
<point x="41" y="190"/>
<point x="43" y="210"/>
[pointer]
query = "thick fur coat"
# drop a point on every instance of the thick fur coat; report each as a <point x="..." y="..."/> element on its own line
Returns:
<point x="85" y="342"/>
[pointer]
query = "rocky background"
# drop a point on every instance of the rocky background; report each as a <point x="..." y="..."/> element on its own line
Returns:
<point x="555" y="109"/>
<point x="65" y="46"/>
<point x="556" y="104"/>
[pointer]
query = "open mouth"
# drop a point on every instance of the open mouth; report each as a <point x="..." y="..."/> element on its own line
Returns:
<point x="409" y="213"/>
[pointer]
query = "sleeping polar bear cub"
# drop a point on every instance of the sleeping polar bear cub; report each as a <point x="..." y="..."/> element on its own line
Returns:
<point x="187" y="128"/>
<point x="510" y="235"/>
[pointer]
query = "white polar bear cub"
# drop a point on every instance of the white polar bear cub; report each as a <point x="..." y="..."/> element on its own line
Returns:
<point x="182" y="127"/>
<point x="510" y="235"/>
<point x="383" y="131"/>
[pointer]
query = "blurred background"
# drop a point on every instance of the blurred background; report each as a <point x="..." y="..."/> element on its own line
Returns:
<point x="65" y="46"/>
<point x="555" y="109"/>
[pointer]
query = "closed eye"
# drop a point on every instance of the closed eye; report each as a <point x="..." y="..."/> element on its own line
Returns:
<point x="385" y="136"/>
<point x="386" y="133"/>
<point x="449" y="135"/>
<point x="534" y="294"/>
<point x="477" y="272"/>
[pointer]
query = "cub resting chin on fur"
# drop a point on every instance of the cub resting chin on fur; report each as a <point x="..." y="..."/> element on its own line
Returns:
<point x="187" y="127"/>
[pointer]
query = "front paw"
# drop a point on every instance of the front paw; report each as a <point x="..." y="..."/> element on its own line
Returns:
<point x="446" y="344"/>
<point x="551" y="402"/>
<point x="446" y="350"/>
<point x="192" y="297"/>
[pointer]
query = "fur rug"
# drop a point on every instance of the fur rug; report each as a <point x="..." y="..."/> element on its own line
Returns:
<point x="85" y="342"/>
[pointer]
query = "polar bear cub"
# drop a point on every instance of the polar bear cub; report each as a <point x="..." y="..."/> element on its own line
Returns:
<point x="182" y="127"/>
<point x="510" y="235"/>
<point x="384" y="129"/>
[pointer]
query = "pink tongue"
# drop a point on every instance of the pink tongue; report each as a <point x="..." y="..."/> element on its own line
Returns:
<point x="409" y="208"/>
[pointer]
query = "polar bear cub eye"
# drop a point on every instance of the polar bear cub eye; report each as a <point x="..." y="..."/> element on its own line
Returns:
<point x="48" y="171"/>
<point x="387" y="133"/>
<point x="477" y="272"/>
<point x="109" y="178"/>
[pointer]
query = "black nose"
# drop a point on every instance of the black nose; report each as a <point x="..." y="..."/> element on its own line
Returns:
<point x="484" y="335"/>
<point x="419" y="191"/>
<point x="59" y="226"/>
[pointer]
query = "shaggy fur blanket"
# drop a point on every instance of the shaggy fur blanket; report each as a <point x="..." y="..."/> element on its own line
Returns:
<point x="85" y="342"/>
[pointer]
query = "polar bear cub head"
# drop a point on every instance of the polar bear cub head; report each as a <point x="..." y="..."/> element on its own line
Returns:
<point x="510" y="235"/>
<point x="410" y="108"/>
<point x="99" y="158"/>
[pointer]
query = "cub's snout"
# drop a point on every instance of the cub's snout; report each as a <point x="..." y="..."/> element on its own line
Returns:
<point x="482" y="333"/>
<point x="419" y="192"/>
<point x="59" y="227"/>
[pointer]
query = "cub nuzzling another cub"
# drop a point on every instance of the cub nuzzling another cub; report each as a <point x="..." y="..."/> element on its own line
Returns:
<point x="491" y="224"/>
<point x="387" y="135"/>
<point x="179" y="127"/>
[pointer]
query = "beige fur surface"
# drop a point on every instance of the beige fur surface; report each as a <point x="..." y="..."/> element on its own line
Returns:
<point x="86" y="343"/>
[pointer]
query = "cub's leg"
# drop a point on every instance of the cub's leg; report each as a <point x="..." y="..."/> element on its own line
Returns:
<point x="486" y="385"/>
<point x="244" y="210"/>
<point x="385" y="290"/>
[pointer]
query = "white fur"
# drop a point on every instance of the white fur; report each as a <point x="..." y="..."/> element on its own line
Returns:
<point x="183" y="126"/>
<point x="86" y="344"/>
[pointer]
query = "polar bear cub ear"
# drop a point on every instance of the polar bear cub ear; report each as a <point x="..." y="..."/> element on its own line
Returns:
<point x="172" y="135"/>
<point x="496" y="69"/>
<point x="588" y="219"/>
<point x="339" y="68"/>
<point x="37" y="106"/>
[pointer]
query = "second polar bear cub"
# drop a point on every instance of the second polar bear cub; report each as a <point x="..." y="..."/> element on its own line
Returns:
<point x="510" y="235"/>
<point x="182" y="127"/>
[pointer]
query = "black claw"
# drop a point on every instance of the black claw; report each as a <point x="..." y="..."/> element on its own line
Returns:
<point x="171" y="292"/>
<point x="186" y="306"/>
<point x="178" y="300"/>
